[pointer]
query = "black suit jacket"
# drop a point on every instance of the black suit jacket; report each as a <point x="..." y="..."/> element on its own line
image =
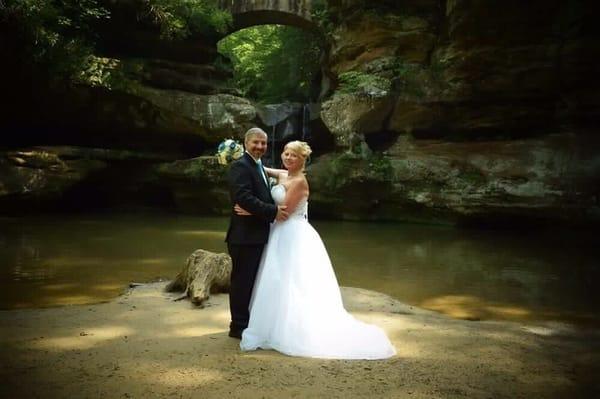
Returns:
<point x="248" y="189"/>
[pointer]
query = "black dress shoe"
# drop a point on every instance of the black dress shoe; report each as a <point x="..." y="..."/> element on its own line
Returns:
<point x="235" y="334"/>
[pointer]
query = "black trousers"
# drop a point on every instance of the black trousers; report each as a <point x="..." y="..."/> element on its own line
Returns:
<point x="245" y="261"/>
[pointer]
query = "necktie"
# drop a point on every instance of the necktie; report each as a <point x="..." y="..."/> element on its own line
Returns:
<point x="262" y="172"/>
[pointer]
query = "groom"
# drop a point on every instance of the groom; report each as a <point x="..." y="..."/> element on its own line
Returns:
<point x="247" y="235"/>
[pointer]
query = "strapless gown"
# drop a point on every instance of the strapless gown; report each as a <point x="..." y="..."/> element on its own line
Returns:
<point x="296" y="306"/>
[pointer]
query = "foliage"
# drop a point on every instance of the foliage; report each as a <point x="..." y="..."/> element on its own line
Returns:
<point x="273" y="63"/>
<point x="410" y="79"/>
<point x="97" y="71"/>
<point x="179" y="19"/>
<point x="110" y="73"/>
<point x="58" y="36"/>
<point x="364" y="83"/>
<point x="380" y="166"/>
<point x="348" y="168"/>
<point x="321" y="16"/>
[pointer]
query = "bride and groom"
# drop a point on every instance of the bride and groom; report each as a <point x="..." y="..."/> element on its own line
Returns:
<point x="284" y="294"/>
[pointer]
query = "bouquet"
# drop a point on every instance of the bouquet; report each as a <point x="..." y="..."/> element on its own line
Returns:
<point x="229" y="150"/>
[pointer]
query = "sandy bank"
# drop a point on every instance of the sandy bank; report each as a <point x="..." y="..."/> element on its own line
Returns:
<point x="145" y="345"/>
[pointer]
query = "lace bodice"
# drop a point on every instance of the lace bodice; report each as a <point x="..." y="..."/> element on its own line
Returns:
<point x="278" y="194"/>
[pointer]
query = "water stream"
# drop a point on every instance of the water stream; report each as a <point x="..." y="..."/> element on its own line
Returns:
<point x="472" y="274"/>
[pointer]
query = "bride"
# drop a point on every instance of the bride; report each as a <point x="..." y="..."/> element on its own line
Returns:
<point x="296" y="306"/>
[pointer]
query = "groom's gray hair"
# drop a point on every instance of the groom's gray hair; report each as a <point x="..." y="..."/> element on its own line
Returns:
<point x="253" y="132"/>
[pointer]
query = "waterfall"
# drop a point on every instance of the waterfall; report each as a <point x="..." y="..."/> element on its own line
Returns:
<point x="305" y="122"/>
<point x="285" y="122"/>
<point x="273" y="163"/>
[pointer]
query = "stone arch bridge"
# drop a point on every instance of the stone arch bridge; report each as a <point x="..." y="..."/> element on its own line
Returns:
<point x="248" y="13"/>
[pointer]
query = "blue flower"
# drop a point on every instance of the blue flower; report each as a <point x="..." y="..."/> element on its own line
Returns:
<point x="229" y="150"/>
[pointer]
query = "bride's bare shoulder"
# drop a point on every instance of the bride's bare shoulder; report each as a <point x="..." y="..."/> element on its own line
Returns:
<point x="280" y="176"/>
<point x="298" y="183"/>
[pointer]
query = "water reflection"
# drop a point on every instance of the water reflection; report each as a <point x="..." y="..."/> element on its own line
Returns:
<point x="467" y="274"/>
<point x="92" y="258"/>
<point x="470" y="274"/>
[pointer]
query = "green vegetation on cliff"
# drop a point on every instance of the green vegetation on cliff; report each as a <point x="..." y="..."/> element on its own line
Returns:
<point x="348" y="169"/>
<point x="273" y="63"/>
<point x="182" y="18"/>
<point x="364" y="83"/>
<point x="56" y="39"/>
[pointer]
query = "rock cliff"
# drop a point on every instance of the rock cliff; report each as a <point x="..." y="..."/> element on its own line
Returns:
<point x="461" y="111"/>
<point x="445" y="111"/>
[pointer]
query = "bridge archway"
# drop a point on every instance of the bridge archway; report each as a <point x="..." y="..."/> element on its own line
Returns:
<point x="297" y="14"/>
<point x="248" y="13"/>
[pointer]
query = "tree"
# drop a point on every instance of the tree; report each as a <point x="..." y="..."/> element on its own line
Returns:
<point x="273" y="63"/>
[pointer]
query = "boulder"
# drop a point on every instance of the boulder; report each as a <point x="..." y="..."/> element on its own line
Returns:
<point x="204" y="273"/>
<point x="346" y="115"/>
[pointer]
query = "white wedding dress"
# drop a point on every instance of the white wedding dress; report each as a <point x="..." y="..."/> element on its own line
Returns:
<point x="296" y="306"/>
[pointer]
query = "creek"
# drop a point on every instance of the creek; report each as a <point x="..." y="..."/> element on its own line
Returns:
<point x="51" y="260"/>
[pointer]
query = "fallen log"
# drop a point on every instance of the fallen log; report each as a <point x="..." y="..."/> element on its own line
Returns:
<point x="204" y="273"/>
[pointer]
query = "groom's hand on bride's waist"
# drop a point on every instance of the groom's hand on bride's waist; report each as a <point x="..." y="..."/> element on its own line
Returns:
<point x="281" y="213"/>
<point x="240" y="211"/>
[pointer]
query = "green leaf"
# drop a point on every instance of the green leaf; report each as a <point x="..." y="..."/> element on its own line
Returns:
<point x="273" y="63"/>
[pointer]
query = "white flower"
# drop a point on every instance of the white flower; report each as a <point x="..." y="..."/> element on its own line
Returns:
<point x="228" y="151"/>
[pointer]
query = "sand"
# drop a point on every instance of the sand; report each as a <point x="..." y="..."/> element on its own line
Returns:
<point x="144" y="344"/>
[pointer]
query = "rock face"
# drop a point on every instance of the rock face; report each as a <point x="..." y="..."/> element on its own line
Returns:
<point x="139" y="91"/>
<point x="466" y="69"/>
<point x="35" y="178"/>
<point x="212" y="117"/>
<point x="76" y="178"/>
<point x="146" y="116"/>
<point x="204" y="273"/>
<point x="550" y="179"/>
<point x="460" y="110"/>
<point x="439" y="111"/>
<point x="197" y="185"/>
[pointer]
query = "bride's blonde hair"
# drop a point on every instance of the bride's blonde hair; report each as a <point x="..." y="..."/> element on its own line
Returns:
<point x="299" y="147"/>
